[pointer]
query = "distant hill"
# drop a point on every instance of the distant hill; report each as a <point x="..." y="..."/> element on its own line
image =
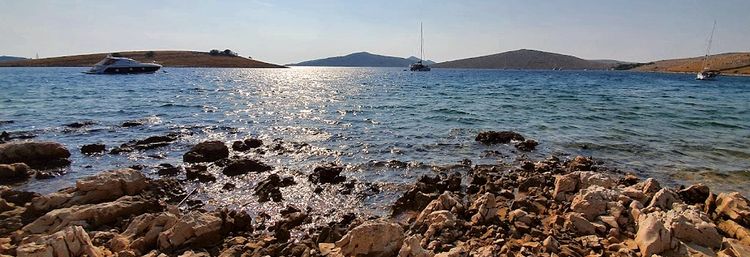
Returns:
<point x="526" y="59"/>
<point x="727" y="63"/>
<point x="166" y="58"/>
<point x="6" y="58"/>
<point x="362" y="59"/>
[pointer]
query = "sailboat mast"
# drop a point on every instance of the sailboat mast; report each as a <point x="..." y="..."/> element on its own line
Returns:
<point x="421" y="42"/>
<point x="708" y="48"/>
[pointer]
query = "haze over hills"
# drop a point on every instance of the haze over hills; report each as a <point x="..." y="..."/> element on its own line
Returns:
<point x="166" y="58"/>
<point x="5" y="58"/>
<point x="727" y="63"/>
<point x="362" y="59"/>
<point x="526" y="59"/>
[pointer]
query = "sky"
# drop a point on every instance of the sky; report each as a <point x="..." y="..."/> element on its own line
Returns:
<point x="290" y="31"/>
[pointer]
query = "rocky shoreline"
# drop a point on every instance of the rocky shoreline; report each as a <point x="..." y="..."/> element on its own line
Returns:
<point x="547" y="207"/>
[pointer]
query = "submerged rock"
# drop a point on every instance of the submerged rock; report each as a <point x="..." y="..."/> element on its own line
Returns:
<point x="199" y="172"/>
<point x="243" y="166"/>
<point x="268" y="189"/>
<point x="80" y="124"/>
<point x="498" y="137"/>
<point x="206" y="152"/>
<point x="527" y="146"/>
<point x="35" y="154"/>
<point x="247" y="144"/>
<point x="14" y="172"/>
<point x="327" y="174"/>
<point x="145" y="144"/>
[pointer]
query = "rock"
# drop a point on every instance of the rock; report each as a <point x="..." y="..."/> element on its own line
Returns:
<point x="565" y="187"/>
<point x="89" y="215"/>
<point x="486" y="209"/>
<point x="733" y="248"/>
<point x="71" y="241"/>
<point x="243" y="166"/>
<point x="142" y="232"/>
<point x="327" y="174"/>
<point x="445" y="201"/>
<point x="412" y="248"/>
<point x="199" y="172"/>
<point x="697" y="193"/>
<point x="650" y="186"/>
<point x="735" y="230"/>
<point x="689" y="224"/>
<point x="166" y="169"/>
<point x="106" y="186"/>
<point x="268" y="189"/>
<point x="195" y="229"/>
<point x="498" y="137"/>
<point x="733" y="206"/>
<point x="93" y="149"/>
<point x="35" y="154"/>
<point x="14" y="172"/>
<point x="664" y="199"/>
<point x="372" y="238"/>
<point x="550" y="244"/>
<point x="131" y="123"/>
<point x="579" y="224"/>
<point x="145" y="144"/>
<point x="209" y="151"/>
<point x="652" y="237"/>
<point x="592" y="201"/>
<point x="247" y="144"/>
<point x="80" y="124"/>
<point x="527" y="146"/>
<point x="190" y="253"/>
<point x="580" y="163"/>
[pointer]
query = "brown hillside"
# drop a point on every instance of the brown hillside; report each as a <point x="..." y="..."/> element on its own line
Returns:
<point x="525" y="59"/>
<point x="166" y="58"/>
<point x="729" y="63"/>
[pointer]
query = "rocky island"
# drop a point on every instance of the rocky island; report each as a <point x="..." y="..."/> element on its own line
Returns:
<point x="547" y="207"/>
<point x="183" y="59"/>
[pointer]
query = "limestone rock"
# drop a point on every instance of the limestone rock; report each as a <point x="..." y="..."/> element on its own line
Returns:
<point x="652" y="236"/>
<point x="14" y="172"/>
<point x="373" y="238"/>
<point x="486" y="209"/>
<point x="142" y="232"/>
<point x="100" y="188"/>
<point x="690" y="224"/>
<point x="735" y="230"/>
<point x="580" y="163"/>
<point x="445" y="201"/>
<point x="664" y="199"/>
<point x="579" y="224"/>
<point x="565" y="186"/>
<point x="412" y="248"/>
<point x="733" y="248"/>
<point x="733" y="206"/>
<point x="71" y="241"/>
<point x="206" y="152"/>
<point x="592" y="201"/>
<point x="694" y="194"/>
<point x="35" y="154"/>
<point x="195" y="228"/>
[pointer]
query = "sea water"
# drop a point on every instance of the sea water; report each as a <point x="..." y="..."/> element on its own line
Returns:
<point x="667" y="126"/>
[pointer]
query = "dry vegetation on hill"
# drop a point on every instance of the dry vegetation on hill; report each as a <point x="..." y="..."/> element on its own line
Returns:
<point x="166" y="58"/>
<point x="729" y="63"/>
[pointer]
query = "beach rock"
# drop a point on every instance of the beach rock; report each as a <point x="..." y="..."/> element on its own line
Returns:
<point x="737" y="231"/>
<point x="329" y="173"/>
<point x="166" y="169"/>
<point x="145" y="144"/>
<point x="243" y="166"/>
<point x="71" y="241"/>
<point x="664" y="199"/>
<point x="567" y="185"/>
<point x="527" y="146"/>
<point x="485" y="209"/>
<point x="142" y="232"/>
<point x="35" y="154"/>
<point x="106" y="186"/>
<point x="80" y="124"/>
<point x="90" y="215"/>
<point x="734" y="248"/>
<point x="577" y="223"/>
<point x="199" y="172"/>
<point x="689" y="224"/>
<point x="580" y="163"/>
<point x="190" y="253"/>
<point x="592" y="201"/>
<point x="132" y="123"/>
<point x="372" y="238"/>
<point x="268" y="189"/>
<point x="733" y="206"/>
<point x="412" y="248"/>
<point x="93" y="149"/>
<point x="550" y="244"/>
<point x="247" y="144"/>
<point x="652" y="236"/>
<point x="650" y="186"/>
<point x="445" y="201"/>
<point x="697" y="193"/>
<point x="14" y="172"/>
<point x="498" y="137"/>
<point x="206" y="152"/>
<point x="195" y="229"/>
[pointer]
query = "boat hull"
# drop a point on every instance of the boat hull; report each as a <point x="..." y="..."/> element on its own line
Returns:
<point x="129" y="70"/>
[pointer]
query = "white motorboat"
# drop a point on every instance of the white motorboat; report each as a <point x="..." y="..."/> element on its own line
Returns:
<point x="122" y="65"/>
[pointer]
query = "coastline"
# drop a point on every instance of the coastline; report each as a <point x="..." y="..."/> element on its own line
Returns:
<point x="171" y="59"/>
<point x="573" y="207"/>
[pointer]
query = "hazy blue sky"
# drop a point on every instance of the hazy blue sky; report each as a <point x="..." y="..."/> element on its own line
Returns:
<point x="291" y="31"/>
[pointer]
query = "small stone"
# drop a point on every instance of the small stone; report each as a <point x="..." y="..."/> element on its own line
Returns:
<point x="498" y="137"/>
<point x="207" y="152"/>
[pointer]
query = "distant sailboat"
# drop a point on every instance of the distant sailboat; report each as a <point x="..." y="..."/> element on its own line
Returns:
<point x="707" y="73"/>
<point x="419" y="66"/>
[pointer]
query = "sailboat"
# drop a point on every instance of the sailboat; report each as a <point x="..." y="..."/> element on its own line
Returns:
<point x="419" y="66"/>
<point x="706" y="73"/>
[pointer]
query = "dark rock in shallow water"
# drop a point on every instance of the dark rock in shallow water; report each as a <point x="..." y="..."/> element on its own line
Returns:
<point x="243" y="166"/>
<point x="501" y="137"/>
<point x="14" y="172"/>
<point x="228" y="186"/>
<point x="166" y="169"/>
<point x="206" y="152"/>
<point x="4" y="137"/>
<point x="247" y="144"/>
<point x="580" y="163"/>
<point x="93" y="149"/>
<point x="694" y="194"/>
<point x="199" y="172"/>
<point x="145" y="144"/>
<point x="527" y="146"/>
<point x="268" y="189"/>
<point x="128" y="124"/>
<point x="80" y="124"/>
<point x="39" y="155"/>
<point x="327" y="174"/>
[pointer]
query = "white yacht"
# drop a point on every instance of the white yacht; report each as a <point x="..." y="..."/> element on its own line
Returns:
<point x="122" y="65"/>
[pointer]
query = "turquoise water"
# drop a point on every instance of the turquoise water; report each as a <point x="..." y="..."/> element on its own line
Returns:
<point x="664" y="125"/>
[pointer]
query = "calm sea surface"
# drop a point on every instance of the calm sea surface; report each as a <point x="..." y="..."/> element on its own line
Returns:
<point x="667" y="126"/>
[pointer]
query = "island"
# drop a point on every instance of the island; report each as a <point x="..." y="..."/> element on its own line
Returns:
<point x="183" y="59"/>
<point x="362" y="59"/>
